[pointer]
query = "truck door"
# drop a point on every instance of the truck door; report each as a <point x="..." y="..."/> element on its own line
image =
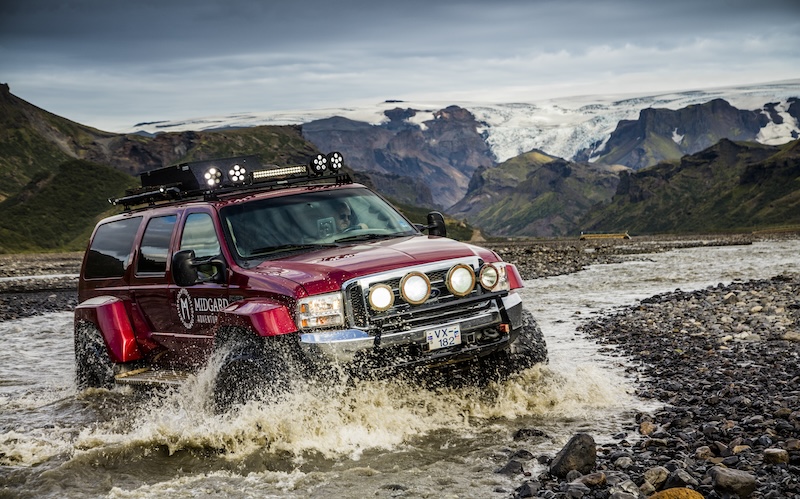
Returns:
<point x="195" y="308"/>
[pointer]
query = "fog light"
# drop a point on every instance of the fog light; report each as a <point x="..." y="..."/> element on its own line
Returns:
<point x="461" y="280"/>
<point x="489" y="276"/>
<point x="381" y="297"/>
<point x="415" y="288"/>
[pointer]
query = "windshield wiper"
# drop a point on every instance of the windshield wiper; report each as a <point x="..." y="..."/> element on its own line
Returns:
<point x="269" y="250"/>
<point x="367" y="237"/>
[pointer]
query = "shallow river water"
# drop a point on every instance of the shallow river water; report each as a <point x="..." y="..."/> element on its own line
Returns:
<point x="374" y="439"/>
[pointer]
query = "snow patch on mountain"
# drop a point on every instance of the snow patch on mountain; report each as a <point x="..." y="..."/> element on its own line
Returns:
<point x="776" y="133"/>
<point x="561" y="127"/>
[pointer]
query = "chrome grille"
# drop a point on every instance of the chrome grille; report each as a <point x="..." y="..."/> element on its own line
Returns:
<point x="441" y="307"/>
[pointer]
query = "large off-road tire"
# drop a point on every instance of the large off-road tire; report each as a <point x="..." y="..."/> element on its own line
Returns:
<point x="93" y="366"/>
<point x="529" y="347"/>
<point x="252" y="368"/>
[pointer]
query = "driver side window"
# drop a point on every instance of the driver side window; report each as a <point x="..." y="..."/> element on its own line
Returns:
<point x="199" y="235"/>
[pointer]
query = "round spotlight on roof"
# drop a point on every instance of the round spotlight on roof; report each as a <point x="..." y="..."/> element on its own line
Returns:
<point x="381" y="297"/>
<point x="460" y="280"/>
<point x="319" y="164"/>
<point x="213" y="177"/>
<point x="415" y="288"/>
<point x="335" y="160"/>
<point x="237" y="173"/>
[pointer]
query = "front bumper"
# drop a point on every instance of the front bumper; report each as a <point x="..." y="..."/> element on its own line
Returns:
<point x="480" y="334"/>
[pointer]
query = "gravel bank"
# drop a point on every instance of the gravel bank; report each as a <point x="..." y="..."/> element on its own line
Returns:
<point x="53" y="289"/>
<point x="725" y="361"/>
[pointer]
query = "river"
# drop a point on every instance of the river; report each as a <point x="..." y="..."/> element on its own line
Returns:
<point x="371" y="439"/>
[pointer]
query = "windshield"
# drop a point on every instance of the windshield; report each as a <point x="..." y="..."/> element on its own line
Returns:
<point x="270" y="228"/>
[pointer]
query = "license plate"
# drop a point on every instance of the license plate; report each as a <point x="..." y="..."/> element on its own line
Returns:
<point x="443" y="337"/>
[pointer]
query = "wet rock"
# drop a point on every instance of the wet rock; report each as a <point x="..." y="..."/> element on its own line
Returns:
<point x="576" y="490"/>
<point x="776" y="456"/>
<point x="680" y="479"/>
<point x="647" y="428"/>
<point x="623" y="495"/>
<point x="511" y="468"/>
<point x="579" y="453"/>
<point x="527" y="489"/>
<point x="656" y="476"/>
<point x="528" y="434"/>
<point x="703" y="452"/>
<point x="728" y="481"/>
<point x="593" y="479"/>
<point x="626" y="487"/>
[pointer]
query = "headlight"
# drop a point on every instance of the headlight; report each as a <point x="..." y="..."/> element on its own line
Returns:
<point x="415" y="288"/>
<point x="320" y="311"/>
<point x="461" y="280"/>
<point x="493" y="277"/>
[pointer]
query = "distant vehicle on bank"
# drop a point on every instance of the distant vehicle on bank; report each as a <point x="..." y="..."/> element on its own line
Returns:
<point x="284" y="272"/>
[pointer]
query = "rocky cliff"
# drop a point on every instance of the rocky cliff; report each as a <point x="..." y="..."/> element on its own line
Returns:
<point x="730" y="186"/>
<point x="438" y="155"/>
<point x="665" y="134"/>
<point x="535" y="195"/>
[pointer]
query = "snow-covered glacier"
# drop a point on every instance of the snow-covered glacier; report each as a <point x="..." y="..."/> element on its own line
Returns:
<point x="561" y="126"/>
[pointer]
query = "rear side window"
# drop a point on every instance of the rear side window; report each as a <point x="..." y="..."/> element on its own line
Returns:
<point x="155" y="245"/>
<point x="111" y="248"/>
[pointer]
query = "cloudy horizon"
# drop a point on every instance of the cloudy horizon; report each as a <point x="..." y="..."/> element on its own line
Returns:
<point x="110" y="65"/>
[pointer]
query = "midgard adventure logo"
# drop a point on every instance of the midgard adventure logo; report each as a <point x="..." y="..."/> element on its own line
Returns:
<point x="200" y="310"/>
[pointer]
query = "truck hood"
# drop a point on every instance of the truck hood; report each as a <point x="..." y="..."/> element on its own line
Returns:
<point x="326" y="270"/>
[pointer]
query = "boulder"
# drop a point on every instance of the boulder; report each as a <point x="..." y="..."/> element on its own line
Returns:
<point x="728" y="481"/>
<point x="580" y="454"/>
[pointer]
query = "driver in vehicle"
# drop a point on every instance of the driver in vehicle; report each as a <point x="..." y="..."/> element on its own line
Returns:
<point x="344" y="217"/>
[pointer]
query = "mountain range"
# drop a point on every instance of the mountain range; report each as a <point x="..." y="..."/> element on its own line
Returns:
<point x="472" y="161"/>
<point x="444" y="144"/>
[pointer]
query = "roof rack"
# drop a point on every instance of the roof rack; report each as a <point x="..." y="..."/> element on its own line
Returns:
<point x="211" y="179"/>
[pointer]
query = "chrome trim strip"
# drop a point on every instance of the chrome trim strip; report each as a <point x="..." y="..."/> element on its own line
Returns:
<point x="342" y="345"/>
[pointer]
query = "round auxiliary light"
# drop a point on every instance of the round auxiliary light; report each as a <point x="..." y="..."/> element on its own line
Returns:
<point x="460" y="280"/>
<point x="237" y="173"/>
<point x="319" y="164"/>
<point x="489" y="276"/>
<point x="335" y="160"/>
<point x="415" y="288"/>
<point x="381" y="297"/>
<point x="213" y="177"/>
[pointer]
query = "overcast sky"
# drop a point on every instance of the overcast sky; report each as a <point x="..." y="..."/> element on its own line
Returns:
<point x="113" y="63"/>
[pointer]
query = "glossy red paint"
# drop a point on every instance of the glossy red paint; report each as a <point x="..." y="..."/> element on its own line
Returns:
<point x="514" y="279"/>
<point x="266" y="318"/>
<point x="326" y="270"/>
<point x="111" y="317"/>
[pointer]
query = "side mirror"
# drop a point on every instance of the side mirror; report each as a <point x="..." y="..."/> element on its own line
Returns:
<point x="185" y="269"/>
<point x="436" y="225"/>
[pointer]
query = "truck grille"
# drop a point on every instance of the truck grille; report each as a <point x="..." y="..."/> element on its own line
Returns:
<point x="441" y="307"/>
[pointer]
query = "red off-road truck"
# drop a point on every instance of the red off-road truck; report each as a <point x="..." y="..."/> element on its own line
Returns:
<point x="284" y="272"/>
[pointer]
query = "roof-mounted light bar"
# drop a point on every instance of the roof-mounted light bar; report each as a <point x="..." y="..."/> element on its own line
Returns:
<point x="228" y="175"/>
<point x="287" y="171"/>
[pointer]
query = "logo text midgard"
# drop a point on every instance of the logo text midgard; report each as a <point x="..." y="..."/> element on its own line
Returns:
<point x="198" y="310"/>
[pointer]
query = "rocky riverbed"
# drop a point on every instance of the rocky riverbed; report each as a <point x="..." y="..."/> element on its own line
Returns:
<point x="32" y="284"/>
<point x="725" y="361"/>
